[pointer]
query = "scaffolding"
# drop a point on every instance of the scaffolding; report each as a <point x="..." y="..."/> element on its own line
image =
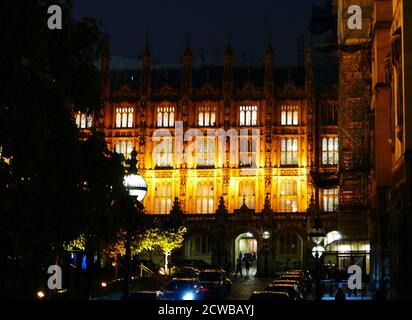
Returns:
<point x="354" y="106"/>
<point x="353" y="131"/>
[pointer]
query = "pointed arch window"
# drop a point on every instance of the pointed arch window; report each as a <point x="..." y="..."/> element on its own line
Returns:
<point x="165" y="117"/>
<point x="289" y="115"/>
<point x="205" y="154"/>
<point x="124" y="117"/>
<point x="205" y="198"/>
<point x="247" y="191"/>
<point x="330" y="151"/>
<point x="83" y="120"/>
<point x="206" y="116"/>
<point x="124" y="147"/>
<point x="164" y="155"/>
<point x="289" y="151"/>
<point x="163" y="198"/>
<point x="330" y="199"/>
<point x="288" y="196"/>
<point x="248" y="115"/>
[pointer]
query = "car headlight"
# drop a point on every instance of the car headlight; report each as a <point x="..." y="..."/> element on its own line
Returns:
<point x="188" y="296"/>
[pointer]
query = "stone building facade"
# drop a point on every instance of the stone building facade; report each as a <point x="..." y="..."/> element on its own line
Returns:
<point x="255" y="140"/>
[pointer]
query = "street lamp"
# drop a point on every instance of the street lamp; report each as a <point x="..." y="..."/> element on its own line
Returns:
<point x="266" y="237"/>
<point x="317" y="235"/>
<point x="137" y="189"/>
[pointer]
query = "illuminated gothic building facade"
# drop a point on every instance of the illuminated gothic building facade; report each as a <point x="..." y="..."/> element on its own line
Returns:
<point x="246" y="137"/>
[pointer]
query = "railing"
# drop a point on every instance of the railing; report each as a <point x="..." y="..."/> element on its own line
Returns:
<point x="329" y="288"/>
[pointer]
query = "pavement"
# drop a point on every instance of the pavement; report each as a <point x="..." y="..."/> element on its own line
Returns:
<point x="243" y="287"/>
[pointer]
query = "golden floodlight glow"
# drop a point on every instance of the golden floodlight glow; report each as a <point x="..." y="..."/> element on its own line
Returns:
<point x="40" y="294"/>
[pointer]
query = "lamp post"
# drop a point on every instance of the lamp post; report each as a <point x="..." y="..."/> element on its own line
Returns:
<point x="266" y="237"/>
<point x="317" y="235"/>
<point x="136" y="187"/>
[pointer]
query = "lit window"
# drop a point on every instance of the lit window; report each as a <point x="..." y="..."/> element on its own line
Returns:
<point x="289" y="151"/>
<point x="247" y="191"/>
<point x="124" y="117"/>
<point x="247" y="151"/>
<point x="204" y="198"/>
<point x="124" y="147"/>
<point x="83" y="121"/>
<point x="330" y="199"/>
<point x="165" y="117"/>
<point x="288" y="196"/>
<point x="163" y="198"/>
<point x="248" y="116"/>
<point x="164" y="153"/>
<point x="205" y="151"/>
<point x="330" y="151"/>
<point x="289" y="116"/>
<point x="207" y="116"/>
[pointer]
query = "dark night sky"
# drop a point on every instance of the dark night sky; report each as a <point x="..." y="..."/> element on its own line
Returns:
<point x="250" y="24"/>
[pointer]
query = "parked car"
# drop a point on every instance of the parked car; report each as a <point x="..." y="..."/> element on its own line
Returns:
<point x="291" y="289"/>
<point x="184" y="272"/>
<point x="182" y="289"/>
<point x="198" y="264"/>
<point x="269" y="296"/>
<point x="303" y="285"/>
<point x="215" y="282"/>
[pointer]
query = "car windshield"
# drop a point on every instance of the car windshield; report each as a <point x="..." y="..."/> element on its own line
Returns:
<point x="210" y="276"/>
<point x="179" y="285"/>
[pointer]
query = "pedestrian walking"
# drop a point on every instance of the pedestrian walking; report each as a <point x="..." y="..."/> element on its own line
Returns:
<point x="239" y="267"/>
<point x="247" y="266"/>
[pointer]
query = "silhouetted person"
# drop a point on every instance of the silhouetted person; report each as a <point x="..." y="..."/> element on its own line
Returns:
<point x="340" y="295"/>
<point x="253" y="257"/>
<point x="247" y="266"/>
<point x="239" y="267"/>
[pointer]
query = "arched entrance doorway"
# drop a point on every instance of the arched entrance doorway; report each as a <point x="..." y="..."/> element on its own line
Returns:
<point x="246" y="248"/>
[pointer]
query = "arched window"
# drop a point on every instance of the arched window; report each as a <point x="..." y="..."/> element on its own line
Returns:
<point x="330" y="151"/>
<point x="124" y="147"/>
<point x="248" y="115"/>
<point x="330" y="199"/>
<point x="288" y="196"/>
<point x="289" y="151"/>
<point x="130" y="118"/>
<point x="78" y="116"/>
<point x="206" y="116"/>
<point x="205" y="154"/>
<point x="205" y="198"/>
<point x="164" y="153"/>
<point x="163" y="198"/>
<point x="289" y="115"/>
<point x="165" y="117"/>
<point x="247" y="191"/>
<point x="83" y="120"/>
<point x="159" y="119"/>
<point x="89" y="121"/>
<point x="124" y="117"/>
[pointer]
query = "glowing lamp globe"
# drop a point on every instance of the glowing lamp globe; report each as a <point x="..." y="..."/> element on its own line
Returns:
<point x="317" y="251"/>
<point x="136" y="185"/>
